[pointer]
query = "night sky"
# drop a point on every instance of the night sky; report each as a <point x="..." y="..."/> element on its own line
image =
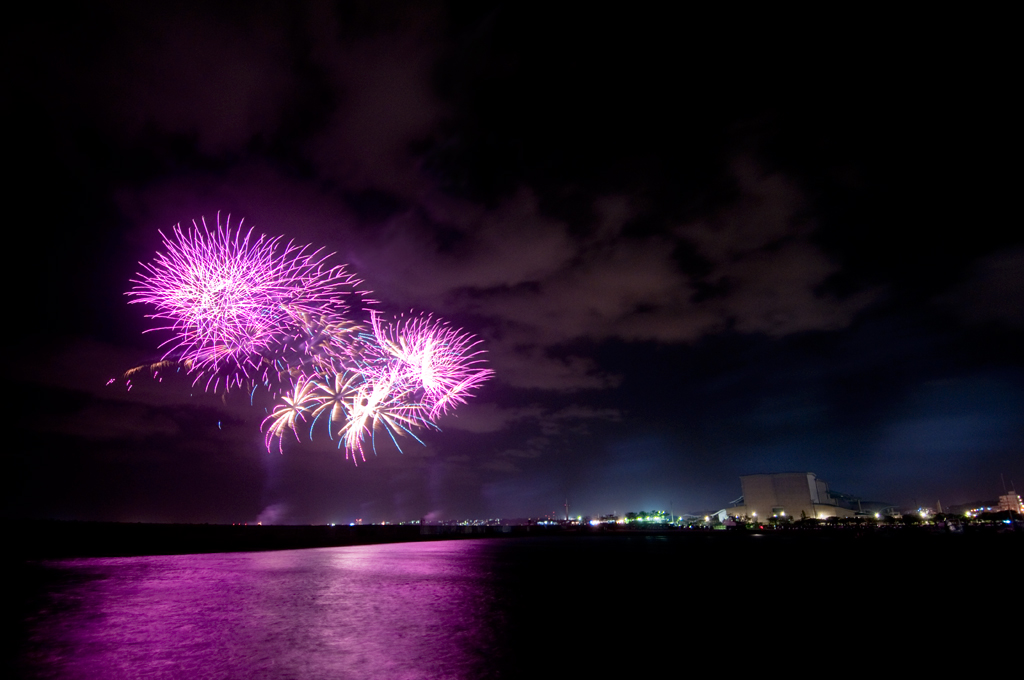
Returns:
<point x="695" y="247"/>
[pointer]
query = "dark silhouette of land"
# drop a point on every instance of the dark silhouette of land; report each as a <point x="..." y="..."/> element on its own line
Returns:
<point x="50" y="539"/>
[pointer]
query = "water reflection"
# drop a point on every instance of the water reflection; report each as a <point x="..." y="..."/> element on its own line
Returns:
<point x="383" y="611"/>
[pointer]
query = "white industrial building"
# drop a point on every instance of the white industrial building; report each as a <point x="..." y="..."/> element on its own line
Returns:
<point x="787" y="494"/>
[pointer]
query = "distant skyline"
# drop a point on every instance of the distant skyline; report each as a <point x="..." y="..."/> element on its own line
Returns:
<point x="694" y="247"/>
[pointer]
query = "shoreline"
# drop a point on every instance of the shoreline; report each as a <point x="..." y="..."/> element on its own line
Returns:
<point x="59" y="539"/>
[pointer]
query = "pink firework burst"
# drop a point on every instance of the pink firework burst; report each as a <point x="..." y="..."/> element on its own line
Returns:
<point x="378" y="403"/>
<point x="286" y="415"/>
<point x="430" y="358"/>
<point x="237" y="303"/>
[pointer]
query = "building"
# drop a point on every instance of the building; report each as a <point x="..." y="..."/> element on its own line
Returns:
<point x="1010" y="501"/>
<point x="787" y="494"/>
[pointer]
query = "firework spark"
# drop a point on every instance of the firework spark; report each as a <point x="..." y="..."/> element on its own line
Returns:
<point x="285" y="415"/>
<point x="376" y="404"/>
<point x="442" y="363"/>
<point x="331" y="398"/>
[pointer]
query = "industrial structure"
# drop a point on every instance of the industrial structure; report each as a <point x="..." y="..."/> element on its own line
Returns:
<point x="788" y="494"/>
<point x="1010" y="501"/>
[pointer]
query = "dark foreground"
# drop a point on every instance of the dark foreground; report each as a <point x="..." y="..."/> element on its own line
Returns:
<point x="572" y="605"/>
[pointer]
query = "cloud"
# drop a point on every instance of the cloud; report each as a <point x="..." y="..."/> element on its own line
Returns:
<point x="993" y="291"/>
<point x="549" y="427"/>
<point x="507" y="461"/>
<point x="541" y="429"/>
<point x="385" y="99"/>
<point x="768" y="209"/>
<point x="482" y="418"/>
<point x="774" y="292"/>
<point x="511" y="245"/>
<point x="181" y="70"/>
<point x="269" y="200"/>
<point x="604" y="293"/>
<point x="531" y="367"/>
<point x="543" y="286"/>
<point x="106" y="420"/>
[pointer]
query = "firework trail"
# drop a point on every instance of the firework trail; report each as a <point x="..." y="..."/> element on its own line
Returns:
<point x="249" y="312"/>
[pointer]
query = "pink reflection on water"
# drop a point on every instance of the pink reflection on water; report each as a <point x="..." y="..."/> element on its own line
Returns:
<point x="383" y="611"/>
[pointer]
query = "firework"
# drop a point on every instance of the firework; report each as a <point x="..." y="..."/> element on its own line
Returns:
<point x="285" y="415"/>
<point x="443" y="364"/>
<point x="238" y="306"/>
<point x="379" y="404"/>
<point x="254" y="311"/>
<point x="331" y="397"/>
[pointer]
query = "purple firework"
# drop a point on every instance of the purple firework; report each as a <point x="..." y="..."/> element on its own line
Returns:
<point x="441" y="364"/>
<point x="254" y="311"/>
<point x="241" y="304"/>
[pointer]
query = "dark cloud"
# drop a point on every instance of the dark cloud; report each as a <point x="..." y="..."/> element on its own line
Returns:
<point x="993" y="291"/>
<point x="385" y="101"/>
<point x="110" y="421"/>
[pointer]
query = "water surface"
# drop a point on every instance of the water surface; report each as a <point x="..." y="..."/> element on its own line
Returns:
<point x="574" y="607"/>
<point x="380" y="611"/>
